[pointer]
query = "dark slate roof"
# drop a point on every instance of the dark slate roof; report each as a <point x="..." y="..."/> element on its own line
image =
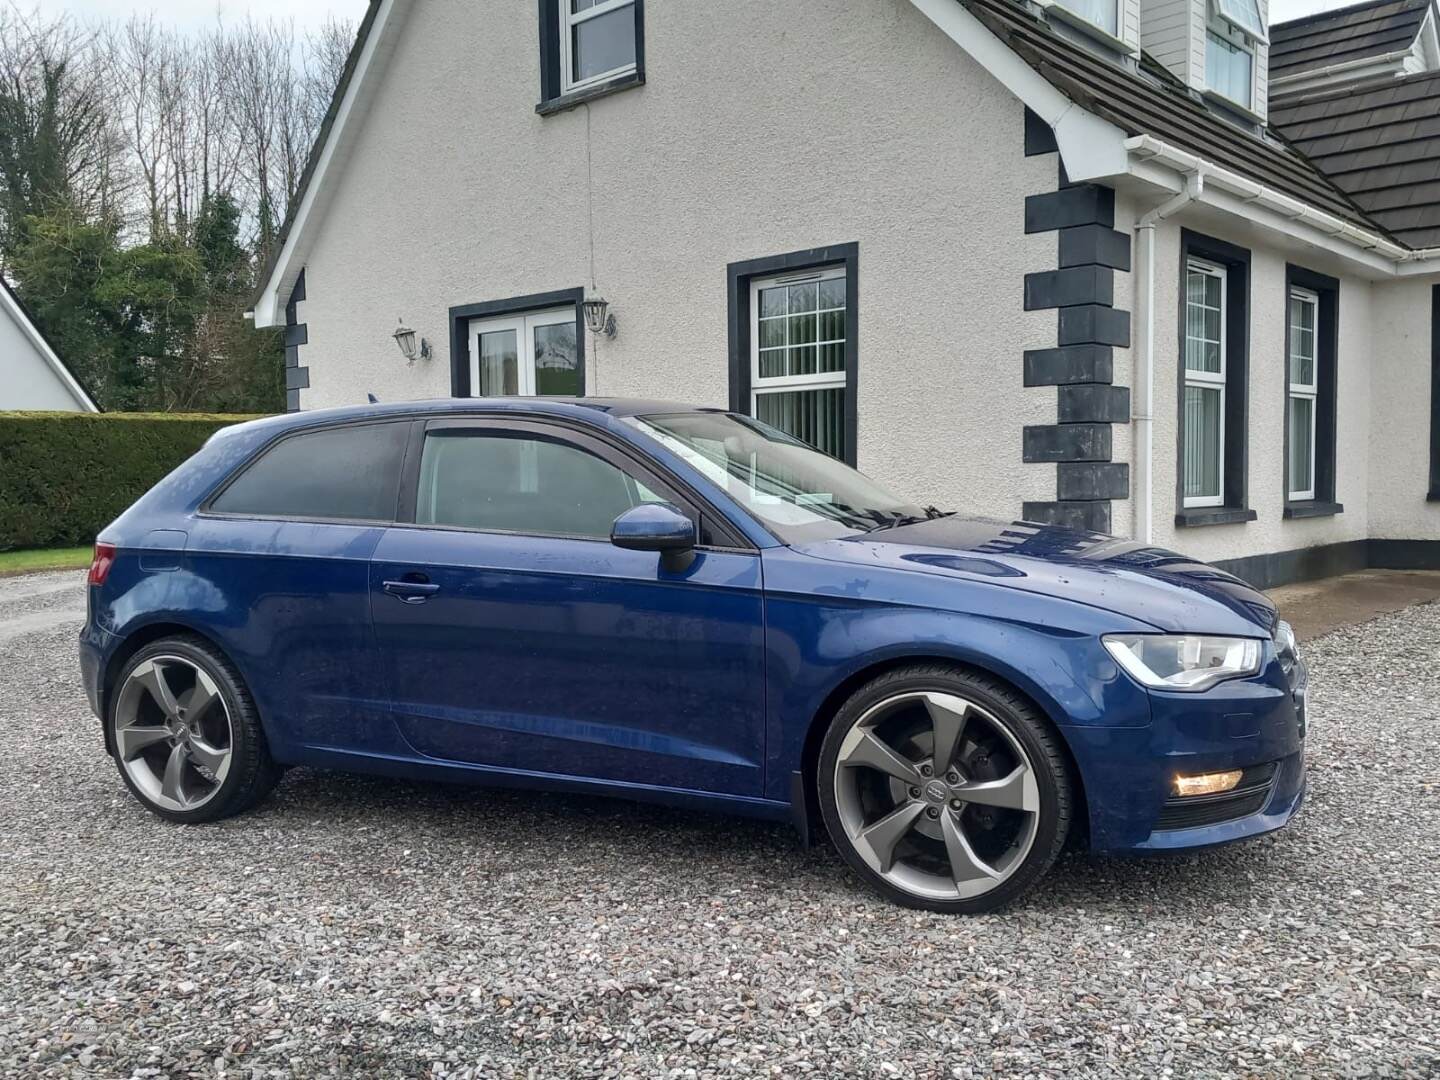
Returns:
<point x="1337" y="37"/>
<point x="1156" y="103"/>
<point x="1381" y="144"/>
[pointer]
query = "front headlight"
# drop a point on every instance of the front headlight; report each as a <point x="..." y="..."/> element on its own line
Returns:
<point x="1183" y="661"/>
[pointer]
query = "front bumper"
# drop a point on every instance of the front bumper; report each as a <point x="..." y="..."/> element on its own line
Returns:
<point x="1255" y="724"/>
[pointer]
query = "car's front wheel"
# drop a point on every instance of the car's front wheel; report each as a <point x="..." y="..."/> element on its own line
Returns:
<point x="944" y="789"/>
<point x="186" y="734"/>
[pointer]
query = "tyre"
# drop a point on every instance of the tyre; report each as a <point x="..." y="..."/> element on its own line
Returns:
<point x="186" y="734"/>
<point x="944" y="789"/>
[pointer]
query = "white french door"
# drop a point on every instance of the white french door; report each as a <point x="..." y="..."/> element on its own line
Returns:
<point x="525" y="355"/>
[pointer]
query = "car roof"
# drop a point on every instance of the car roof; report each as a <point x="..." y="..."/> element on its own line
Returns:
<point x="590" y="409"/>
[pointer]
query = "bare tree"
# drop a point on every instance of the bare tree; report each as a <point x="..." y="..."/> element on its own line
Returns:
<point x="57" y="139"/>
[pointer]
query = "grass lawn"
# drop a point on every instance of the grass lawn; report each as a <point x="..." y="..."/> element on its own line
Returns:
<point x="18" y="562"/>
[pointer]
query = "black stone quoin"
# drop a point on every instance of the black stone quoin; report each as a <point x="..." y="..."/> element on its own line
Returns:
<point x="1089" y="327"/>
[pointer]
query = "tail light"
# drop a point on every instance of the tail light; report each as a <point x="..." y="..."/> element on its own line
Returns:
<point x="101" y="563"/>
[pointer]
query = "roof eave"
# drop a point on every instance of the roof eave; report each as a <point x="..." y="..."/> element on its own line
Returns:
<point x="376" y="38"/>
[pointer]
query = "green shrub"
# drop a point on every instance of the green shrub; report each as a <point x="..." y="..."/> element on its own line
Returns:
<point x="65" y="476"/>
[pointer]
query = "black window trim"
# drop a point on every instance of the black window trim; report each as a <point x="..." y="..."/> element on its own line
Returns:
<point x="461" y="315"/>
<point x="206" y="508"/>
<point x="1327" y="365"/>
<point x="738" y="276"/>
<point x="1236" y="261"/>
<point x="551" y="99"/>
<point x="584" y="438"/>
<point x="1433" y="493"/>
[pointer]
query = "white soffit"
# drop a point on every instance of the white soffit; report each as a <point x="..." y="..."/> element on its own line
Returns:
<point x="1090" y="147"/>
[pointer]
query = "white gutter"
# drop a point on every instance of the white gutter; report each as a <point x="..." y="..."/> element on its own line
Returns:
<point x="1147" y="148"/>
<point x="1321" y="74"/>
<point x="1142" y="406"/>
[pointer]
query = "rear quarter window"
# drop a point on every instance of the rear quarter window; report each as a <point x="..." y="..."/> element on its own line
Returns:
<point x="346" y="473"/>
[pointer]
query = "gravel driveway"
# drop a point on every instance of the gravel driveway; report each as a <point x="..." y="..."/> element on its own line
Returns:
<point x="366" y="926"/>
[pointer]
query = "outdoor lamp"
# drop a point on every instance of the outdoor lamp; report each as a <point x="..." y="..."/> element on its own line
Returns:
<point x="597" y="317"/>
<point x="405" y="338"/>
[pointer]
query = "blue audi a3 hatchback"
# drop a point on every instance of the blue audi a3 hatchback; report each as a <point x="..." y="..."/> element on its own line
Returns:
<point x="685" y="605"/>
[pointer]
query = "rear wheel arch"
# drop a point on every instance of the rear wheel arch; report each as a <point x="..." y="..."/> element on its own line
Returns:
<point x="820" y="724"/>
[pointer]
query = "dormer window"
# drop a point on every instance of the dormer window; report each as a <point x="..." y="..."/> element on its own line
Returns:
<point x="1102" y="13"/>
<point x="1231" y="33"/>
<point x="1243" y="15"/>
<point x="1229" y="66"/>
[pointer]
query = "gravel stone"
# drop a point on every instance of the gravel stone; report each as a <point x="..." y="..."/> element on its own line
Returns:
<point x="356" y="926"/>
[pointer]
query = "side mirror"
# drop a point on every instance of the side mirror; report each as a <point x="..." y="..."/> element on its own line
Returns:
<point x="657" y="527"/>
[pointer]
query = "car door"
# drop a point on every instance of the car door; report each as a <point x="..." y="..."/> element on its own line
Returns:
<point x="518" y="637"/>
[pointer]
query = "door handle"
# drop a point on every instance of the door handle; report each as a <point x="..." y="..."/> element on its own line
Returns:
<point x="411" y="592"/>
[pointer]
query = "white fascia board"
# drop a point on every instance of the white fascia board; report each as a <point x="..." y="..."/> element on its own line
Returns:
<point x="33" y="335"/>
<point x="1229" y="191"/>
<point x="1090" y="147"/>
<point x="380" y="42"/>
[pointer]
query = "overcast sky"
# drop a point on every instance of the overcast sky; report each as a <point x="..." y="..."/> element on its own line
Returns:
<point x="191" y="14"/>
<point x="194" y="13"/>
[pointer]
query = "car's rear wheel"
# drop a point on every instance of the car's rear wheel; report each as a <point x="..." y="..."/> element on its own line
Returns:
<point x="186" y="734"/>
<point x="944" y="789"/>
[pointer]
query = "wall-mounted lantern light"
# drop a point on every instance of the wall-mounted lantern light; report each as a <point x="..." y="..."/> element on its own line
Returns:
<point x="597" y="316"/>
<point x="405" y="339"/>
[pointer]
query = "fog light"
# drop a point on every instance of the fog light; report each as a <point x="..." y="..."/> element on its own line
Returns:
<point x="1210" y="783"/>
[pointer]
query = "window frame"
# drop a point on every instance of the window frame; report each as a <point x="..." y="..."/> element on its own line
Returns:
<point x="523" y="324"/>
<point x="569" y="20"/>
<point x="765" y="385"/>
<point x="1223" y="31"/>
<point x="1210" y="380"/>
<point x="1256" y="34"/>
<point x="1084" y="22"/>
<point x="207" y="509"/>
<point x="742" y="283"/>
<point x="1235" y="329"/>
<point x="461" y="316"/>
<point x="1307" y="391"/>
<point x="1321" y="501"/>
<point x="557" y="91"/>
<point x="708" y="518"/>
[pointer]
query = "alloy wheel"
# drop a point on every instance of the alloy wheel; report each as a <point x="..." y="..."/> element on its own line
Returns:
<point x="936" y="795"/>
<point x="173" y="734"/>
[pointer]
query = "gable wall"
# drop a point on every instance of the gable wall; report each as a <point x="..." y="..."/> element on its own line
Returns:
<point x="27" y="381"/>
<point x="759" y="132"/>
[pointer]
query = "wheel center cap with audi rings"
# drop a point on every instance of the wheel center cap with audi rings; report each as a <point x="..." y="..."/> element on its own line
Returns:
<point x="936" y="792"/>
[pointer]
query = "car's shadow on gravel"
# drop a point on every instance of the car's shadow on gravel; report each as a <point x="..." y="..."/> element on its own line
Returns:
<point x="718" y="851"/>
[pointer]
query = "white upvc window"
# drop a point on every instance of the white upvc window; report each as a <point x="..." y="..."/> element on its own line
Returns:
<point x="529" y="354"/>
<point x="597" y="42"/>
<point x="1102" y="13"/>
<point x="1203" y="448"/>
<point x="797" y="355"/>
<point x="1244" y="15"/>
<point x="1230" y="66"/>
<point x="1304" y="389"/>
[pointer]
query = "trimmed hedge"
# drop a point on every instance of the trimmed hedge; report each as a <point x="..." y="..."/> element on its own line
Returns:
<point x="65" y="476"/>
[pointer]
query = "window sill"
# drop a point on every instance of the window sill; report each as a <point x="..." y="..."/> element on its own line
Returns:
<point x="1213" y="515"/>
<point x="590" y="93"/>
<point x="1089" y="29"/>
<point x="1433" y="496"/>
<point x="1230" y="104"/>
<point x="1309" y="508"/>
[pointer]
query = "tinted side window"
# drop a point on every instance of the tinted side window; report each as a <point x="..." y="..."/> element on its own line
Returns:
<point x="521" y="484"/>
<point x="348" y="473"/>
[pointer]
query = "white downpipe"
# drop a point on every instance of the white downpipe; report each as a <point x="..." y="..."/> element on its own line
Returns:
<point x="1142" y="406"/>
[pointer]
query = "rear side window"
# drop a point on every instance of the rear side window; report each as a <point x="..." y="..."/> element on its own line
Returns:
<point x="348" y="473"/>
